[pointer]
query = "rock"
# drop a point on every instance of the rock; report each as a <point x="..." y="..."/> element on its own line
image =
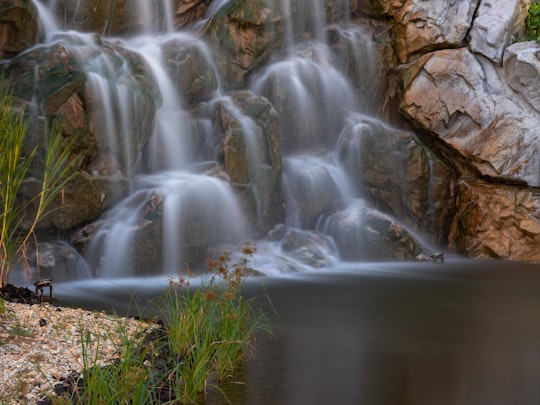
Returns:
<point x="364" y="53"/>
<point x="361" y="233"/>
<point x="18" y="27"/>
<point x="247" y="127"/>
<point x="339" y="10"/>
<point x="243" y="33"/>
<point x="23" y="295"/>
<point x="128" y="17"/>
<point x="295" y="87"/>
<point x="310" y="248"/>
<point x="495" y="26"/>
<point x="118" y="18"/>
<point x="380" y="8"/>
<point x="400" y="176"/>
<point x="423" y="26"/>
<point x="168" y="224"/>
<point x="57" y="87"/>
<point x="463" y="101"/>
<point x="189" y="12"/>
<point x="190" y="68"/>
<point x="496" y="221"/>
<point x="521" y="67"/>
<point x="312" y="187"/>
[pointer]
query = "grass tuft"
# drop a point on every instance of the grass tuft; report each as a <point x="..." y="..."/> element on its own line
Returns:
<point x="205" y="334"/>
<point x="14" y="170"/>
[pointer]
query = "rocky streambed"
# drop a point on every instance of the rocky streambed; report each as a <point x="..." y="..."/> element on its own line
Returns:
<point x="41" y="347"/>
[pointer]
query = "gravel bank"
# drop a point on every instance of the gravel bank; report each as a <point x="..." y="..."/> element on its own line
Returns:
<point x="41" y="344"/>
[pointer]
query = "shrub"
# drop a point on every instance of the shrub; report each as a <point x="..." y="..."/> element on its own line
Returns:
<point x="532" y="23"/>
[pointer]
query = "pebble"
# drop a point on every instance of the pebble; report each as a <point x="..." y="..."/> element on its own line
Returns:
<point x="41" y="344"/>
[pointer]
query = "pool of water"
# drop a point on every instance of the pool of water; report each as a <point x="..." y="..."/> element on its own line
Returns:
<point x="462" y="332"/>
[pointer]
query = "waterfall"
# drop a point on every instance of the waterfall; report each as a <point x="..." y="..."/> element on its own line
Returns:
<point x="195" y="211"/>
<point x="48" y="24"/>
<point x="312" y="95"/>
<point x="206" y="167"/>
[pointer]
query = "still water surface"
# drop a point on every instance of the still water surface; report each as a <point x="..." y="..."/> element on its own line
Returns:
<point x="464" y="332"/>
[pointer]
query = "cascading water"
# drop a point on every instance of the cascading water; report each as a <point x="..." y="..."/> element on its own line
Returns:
<point x="192" y="155"/>
<point x="194" y="211"/>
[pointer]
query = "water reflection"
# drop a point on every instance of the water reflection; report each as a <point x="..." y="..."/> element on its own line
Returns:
<point x="466" y="332"/>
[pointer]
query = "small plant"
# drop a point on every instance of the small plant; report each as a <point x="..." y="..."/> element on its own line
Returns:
<point x="2" y="306"/>
<point x="20" y="330"/>
<point x="210" y="328"/>
<point x="532" y="23"/>
<point x="14" y="168"/>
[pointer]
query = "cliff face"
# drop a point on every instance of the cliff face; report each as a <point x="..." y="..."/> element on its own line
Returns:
<point x="444" y="134"/>
<point x="473" y="94"/>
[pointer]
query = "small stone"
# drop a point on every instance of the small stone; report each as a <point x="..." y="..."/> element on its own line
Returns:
<point x="42" y="322"/>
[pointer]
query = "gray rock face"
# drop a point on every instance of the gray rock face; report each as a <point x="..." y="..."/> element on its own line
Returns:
<point x="482" y="102"/>
<point x="463" y="100"/>
<point x="495" y="27"/>
<point x="521" y="69"/>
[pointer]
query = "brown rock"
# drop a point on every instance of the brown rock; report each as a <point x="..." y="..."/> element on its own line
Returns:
<point x="18" y="26"/>
<point x="243" y="35"/>
<point x="496" y="221"/>
<point x="425" y="26"/>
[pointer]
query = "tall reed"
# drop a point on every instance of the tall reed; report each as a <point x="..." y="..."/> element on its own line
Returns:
<point x="14" y="169"/>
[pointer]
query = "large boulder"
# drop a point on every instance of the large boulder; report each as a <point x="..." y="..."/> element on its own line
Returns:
<point x="496" y="221"/>
<point x="18" y="27"/>
<point x="363" y="233"/>
<point x="400" y="176"/>
<point x="496" y="25"/>
<point x="190" y="67"/>
<point x="61" y="88"/>
<point x="310" y="248"/>
<point x="462" y="100"/>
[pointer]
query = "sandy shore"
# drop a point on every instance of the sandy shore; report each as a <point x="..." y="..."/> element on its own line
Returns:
<point x="41" y="344"/>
